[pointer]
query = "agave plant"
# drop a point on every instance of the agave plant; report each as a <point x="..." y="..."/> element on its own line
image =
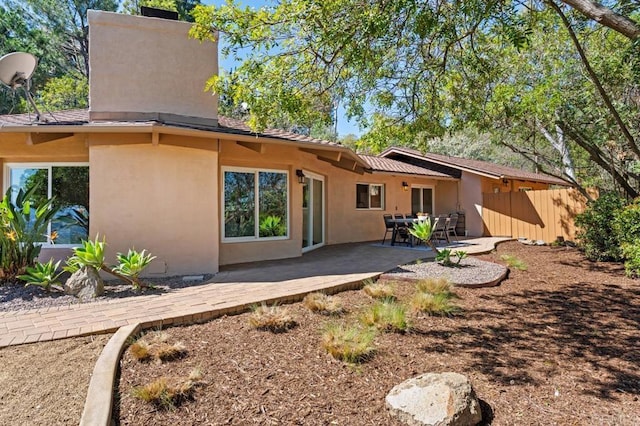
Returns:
<point x="132" y="264"/>
<point x="42" y="274"/>
<point x="422" y="230"/>
<point x="92" y="254"/>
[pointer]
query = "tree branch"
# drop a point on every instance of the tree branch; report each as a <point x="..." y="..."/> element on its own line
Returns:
<point x="607" y="17"/>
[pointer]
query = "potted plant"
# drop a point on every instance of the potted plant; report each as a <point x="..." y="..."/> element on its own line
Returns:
<point x="422" y="216"/>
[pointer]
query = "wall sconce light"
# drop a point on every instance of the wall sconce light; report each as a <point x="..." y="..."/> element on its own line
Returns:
<point x="405" y="186"/>
<point x="505" y="181"/>
<point x="300" y="176"/>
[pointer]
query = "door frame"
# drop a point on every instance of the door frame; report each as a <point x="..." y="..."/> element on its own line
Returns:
<point x="314" y="176"/>
<point x="433" y="195"/>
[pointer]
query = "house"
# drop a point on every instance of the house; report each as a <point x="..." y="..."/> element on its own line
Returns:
<point x="474" y="178"/>
<point x="153" y="165"/>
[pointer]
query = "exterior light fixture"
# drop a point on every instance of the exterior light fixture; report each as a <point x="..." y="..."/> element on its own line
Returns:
<point x="405" y="186"/>
<point x="300" y="176"/>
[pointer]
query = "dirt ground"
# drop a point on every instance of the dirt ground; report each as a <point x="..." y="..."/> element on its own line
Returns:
<point x="46" y="383"/>
<point x="556" y="344"/>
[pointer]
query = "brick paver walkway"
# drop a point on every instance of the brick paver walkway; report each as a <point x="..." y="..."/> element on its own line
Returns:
<point x="230" y="291"/>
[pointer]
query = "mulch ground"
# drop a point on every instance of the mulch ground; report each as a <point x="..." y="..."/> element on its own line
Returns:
<point x="556" y="344"/>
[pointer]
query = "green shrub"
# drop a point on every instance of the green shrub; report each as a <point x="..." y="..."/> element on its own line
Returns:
<point x="23" y="229"/>
<point x="352" y="344"/>
<point x="42" y="274"/>
<point x="631" y="253"/>
<point x="626" y="222"/>
<point x="596" y="235"/>
<point x="386" y="317"/>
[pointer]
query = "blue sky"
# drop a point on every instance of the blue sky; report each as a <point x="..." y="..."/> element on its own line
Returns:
<point x="344" y="126"/>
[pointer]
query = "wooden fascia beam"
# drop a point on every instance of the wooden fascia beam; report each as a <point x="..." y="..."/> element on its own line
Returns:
<point x="38" y="138"/>
<point x="253" y="146"/>
<point x="320" y="153"/>
<point x="346" y="164"/>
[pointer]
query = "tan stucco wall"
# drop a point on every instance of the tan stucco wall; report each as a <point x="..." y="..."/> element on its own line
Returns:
<point x="343" y="222"/>
<point x="159" y="198"/>
<point x="140" y="64"/>
<point x="471" y="203"/>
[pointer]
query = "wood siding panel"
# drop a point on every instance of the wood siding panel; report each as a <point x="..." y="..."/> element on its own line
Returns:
<point x="535" y="215"/>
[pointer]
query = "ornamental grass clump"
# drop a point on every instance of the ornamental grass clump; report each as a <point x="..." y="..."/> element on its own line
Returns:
<point x="514" y="262"/>
<point x="433" y="304"/>
<point x="271" y="318"/>
<point x="155" y="347"/>
<point x="386" y="317"/>
<point x="435" y="286"/>
<point x="379" y="290"/>
<point x="352" y="344"/>
<point x="168" y="396"/>
<point x="323" y="304"/>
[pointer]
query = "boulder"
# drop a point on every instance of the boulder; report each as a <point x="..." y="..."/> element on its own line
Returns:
<point x="85" y="284"/>
<point x="435" y="399"/>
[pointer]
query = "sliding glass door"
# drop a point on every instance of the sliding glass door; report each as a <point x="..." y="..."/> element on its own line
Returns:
<point x="312" y="212"/>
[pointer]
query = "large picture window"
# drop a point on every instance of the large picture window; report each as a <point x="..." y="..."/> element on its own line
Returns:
<point x="255" y="204"/>
<point x="69" y="184"/>
<point x="369" y="196"/>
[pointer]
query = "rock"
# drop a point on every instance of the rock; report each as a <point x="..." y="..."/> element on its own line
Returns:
<point x="85" y="284"/>
<point x="435" y="399"/>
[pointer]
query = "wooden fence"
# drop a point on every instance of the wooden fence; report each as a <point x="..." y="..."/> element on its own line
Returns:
<point x="536" y="215"/>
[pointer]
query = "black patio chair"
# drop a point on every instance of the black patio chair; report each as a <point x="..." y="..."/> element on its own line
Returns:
<point x="451" y="225"/>
<point x="388" y="226"/>
<point x="402" y="230"/>
<point x="440" y="228"/>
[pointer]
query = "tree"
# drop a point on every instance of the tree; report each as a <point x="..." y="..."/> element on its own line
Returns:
<point x="428" y="68"/>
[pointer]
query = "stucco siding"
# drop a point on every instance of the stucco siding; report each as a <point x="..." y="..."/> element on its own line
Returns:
<point x="160" y="198"/>
<point x="471" y="202"/>
<point x="344" y="223"/>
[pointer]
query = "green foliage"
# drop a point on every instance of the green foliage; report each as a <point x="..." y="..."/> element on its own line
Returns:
<point x="349" y="343"/>
<point x="510" y="72"/>
<point x="42" y="274"/>
<point x="444" y="257"/>
<point x="514" y="262"/>
<point x="422" y="230"/>
<point x="91" y="254"/>
<point x="597" y="236"/>
<point x="272" y="226"/>
<point x="133" y="263"/>
<point x="631" y="253"/>
<point x="23" y="227"/>
<point x="386" y="316"/>
<point x="69" y="91"/>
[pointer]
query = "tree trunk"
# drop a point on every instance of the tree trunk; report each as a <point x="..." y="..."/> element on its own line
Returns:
<point x="607" y="17"/>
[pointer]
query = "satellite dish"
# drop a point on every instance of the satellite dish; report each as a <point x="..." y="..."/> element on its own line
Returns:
<point x="16" y="70"/>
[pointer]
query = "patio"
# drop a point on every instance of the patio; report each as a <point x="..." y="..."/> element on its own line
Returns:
<point x="232" y="290"/>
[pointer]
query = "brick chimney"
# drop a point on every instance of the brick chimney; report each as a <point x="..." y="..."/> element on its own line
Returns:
<point x="145" y="68"/>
